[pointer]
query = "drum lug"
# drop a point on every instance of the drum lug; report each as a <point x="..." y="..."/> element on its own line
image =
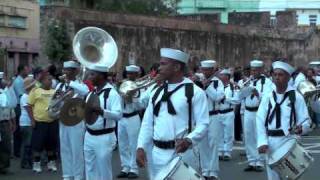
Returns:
<point x="302" y="165"/>
<point x="287" y="177"/>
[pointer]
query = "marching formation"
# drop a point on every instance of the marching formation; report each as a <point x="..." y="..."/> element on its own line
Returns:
<point x="176" y="123"/>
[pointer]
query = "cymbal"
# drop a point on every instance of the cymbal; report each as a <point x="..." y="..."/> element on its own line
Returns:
<point x="90" y="114"/>
<point x="72" y="111"/>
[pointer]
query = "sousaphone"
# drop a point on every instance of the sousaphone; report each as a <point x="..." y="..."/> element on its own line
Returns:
<point x="91" y="45"/>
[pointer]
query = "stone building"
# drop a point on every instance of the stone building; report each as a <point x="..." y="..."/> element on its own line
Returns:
<point x="19" y="34"/>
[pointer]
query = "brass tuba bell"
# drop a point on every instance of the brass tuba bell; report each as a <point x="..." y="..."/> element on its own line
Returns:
<point x="311" y="95"/>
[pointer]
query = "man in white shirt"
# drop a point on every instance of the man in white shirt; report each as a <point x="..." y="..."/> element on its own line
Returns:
<point x="100" y="138"/>
<point x="214" y="89"/>
<point x="259" y="86"/>
<point x="71" y="137"/>
<point x="170" y="118"/>
<point x="226" y="115"/>
<point x="128" y="129"/>
<point x="281" y="112"/>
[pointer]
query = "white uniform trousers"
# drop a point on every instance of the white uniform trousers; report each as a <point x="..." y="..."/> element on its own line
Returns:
<point x="205" y="150"/>
<point x="227" y="134"/>
<point x="274" y="144"/>
<point x="215" y="131"/>
<point x="128" y="132"/>
<point x="249" y="130"/>
<point x="98" y="155"/>
<point x="71" y="150"/>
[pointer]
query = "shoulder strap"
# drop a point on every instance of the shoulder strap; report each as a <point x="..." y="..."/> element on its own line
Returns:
<point x="263" y="81"/>
<point x="105" y="97"/>
<point x="268" y="114"/>
<point x="156" y="94"/>
<point x="292" y="98"/>
<point x="61" y="86"/>
<point x="189" y="94"/>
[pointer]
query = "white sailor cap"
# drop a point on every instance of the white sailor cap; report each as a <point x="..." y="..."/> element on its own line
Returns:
<point x="284" y="66"/>
<point x="174" y="54"/>
<point x="132" y="68"/>
<point x="99" y="68"/>
<point x="1" y="75"/>
<point x="71" y="64"/>
<point x="207" y="63"/>
<point x="225" y="71"/>
<point x="314" y="63"/>
<point x="256" y="63"/>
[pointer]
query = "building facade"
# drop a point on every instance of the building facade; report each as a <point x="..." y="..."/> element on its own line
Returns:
<point x="308" y="11"/>
<point x="19" y="34"/>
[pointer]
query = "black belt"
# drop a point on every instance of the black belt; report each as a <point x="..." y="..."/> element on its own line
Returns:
<point x="4" y="121"/>
<point x="252" y="109"/>
<point x="213" y="112"/>
<point x="275" y="133"/>
<point x="100" y="132"/>
<point x="225" y="111"/>
<point x="127" y="115"/>
<point x="164" y="144"/>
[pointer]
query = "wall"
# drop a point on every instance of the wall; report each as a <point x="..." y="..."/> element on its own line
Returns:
<point x="230" y="45"/>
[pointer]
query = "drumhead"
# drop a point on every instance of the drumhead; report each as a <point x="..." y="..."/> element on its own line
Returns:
<point x="280" y="152"/>
<point x="166" y="171"/>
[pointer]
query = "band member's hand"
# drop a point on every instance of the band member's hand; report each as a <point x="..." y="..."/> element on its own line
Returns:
<point x="13" y="126"/>
<point x="183" y="145"/>
<point x="33" y="123"/>
<point x="141" y="158"/>
<point x="263" y="149"/>
<point x="98" y="110"/>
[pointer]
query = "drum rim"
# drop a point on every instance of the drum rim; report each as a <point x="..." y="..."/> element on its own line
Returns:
<point x="285" y="155"/>
<point x="174" y="168"/>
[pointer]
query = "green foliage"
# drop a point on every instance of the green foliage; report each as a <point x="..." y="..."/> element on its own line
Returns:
<point x="58" y="45"/>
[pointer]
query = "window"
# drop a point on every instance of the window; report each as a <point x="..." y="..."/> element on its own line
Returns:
<point x="17" y="22"/>
<point x="2" y="20"/>
<point x="313" y="20"/>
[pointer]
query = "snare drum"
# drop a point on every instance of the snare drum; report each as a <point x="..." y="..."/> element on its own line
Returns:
<point x="178" y="170"/>
<point x="290" y="160"/>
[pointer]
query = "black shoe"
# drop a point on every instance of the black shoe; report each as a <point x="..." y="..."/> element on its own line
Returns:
<point x="220" y="158"/>
<point x="249" y="168"/>
<point x="258" y="168"/>
<point x="132" y="175"/>
<point x="122" y="175"/>
<point x="226" y="158"/>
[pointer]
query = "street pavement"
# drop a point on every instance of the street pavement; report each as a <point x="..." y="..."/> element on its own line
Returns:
<point x="231" y="170"/>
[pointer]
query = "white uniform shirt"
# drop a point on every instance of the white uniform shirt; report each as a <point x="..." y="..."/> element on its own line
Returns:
<point x="133" y="106"/>
<point x="299" y="78"/>
<point x="214" y="95"/>
<point x="302" y="115"/>
<point x="6" y="113"/>
<point x="231" y="97"/>
<point x="24" y="119"/>
<point x="255" y="101"/>
<point x="167" y="127"/>
<point x="112" y="113"/>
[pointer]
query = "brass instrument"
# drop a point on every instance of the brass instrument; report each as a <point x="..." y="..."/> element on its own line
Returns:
<point x="311" y="94"/>
<point x="91" y="45"/>
<point x="127" y="88"/>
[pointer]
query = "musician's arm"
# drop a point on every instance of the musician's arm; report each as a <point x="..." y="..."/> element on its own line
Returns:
<point x="215" y="94"/>
<point x="114" y="106"/>
<point x="146" y="130"/>
<point x="262" y="138"/>
<point x="79" y="88"/>
<point x="302" y="113"/>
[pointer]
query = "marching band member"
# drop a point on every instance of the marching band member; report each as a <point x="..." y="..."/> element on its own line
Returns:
<point x="280" y="110"/>
<point x="71" y="137"/>
<point x="128" y="129"/>
<point x="214" y="89"/>
<point x="316" y="66"/>
<point x="100" y="138"/>
<point x="297" y="77"/>
<point x="261" y="85"/>
<point x="173" y="111"/>
<point x="226" y="115"/>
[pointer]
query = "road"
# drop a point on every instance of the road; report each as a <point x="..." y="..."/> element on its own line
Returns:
<point x="231" y="170"/>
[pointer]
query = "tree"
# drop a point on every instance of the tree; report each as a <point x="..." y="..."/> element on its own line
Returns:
<point x="58" y="44"/>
